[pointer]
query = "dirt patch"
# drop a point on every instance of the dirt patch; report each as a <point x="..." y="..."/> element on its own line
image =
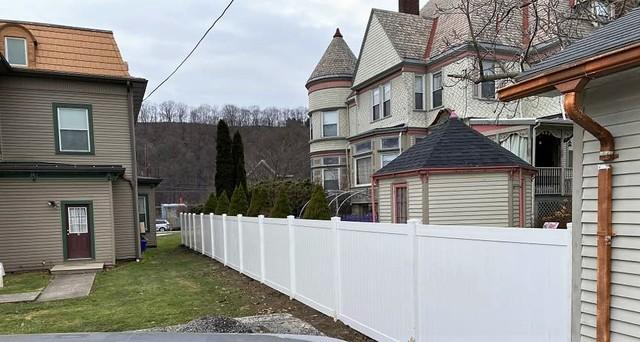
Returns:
<point x="265" y="300"/>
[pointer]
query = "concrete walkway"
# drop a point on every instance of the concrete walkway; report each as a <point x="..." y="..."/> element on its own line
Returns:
<point x="65" y="286"/>
<point x="19" y="297"/>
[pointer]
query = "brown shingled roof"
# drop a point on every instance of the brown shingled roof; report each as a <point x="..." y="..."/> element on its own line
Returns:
<point x="338" y="61"/>
<point x="67" y="49"/>
<point x="408" y="33"/>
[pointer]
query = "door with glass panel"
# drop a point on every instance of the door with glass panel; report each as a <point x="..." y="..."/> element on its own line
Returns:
<point x="79" y="231"/>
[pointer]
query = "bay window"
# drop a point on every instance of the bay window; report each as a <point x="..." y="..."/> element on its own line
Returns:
<point x="330" y="124"/>
<point x="331" y="179"/>
<point x="73" y="129"/>
<point x="363" y="171"/>
<point x="390" y="143"/>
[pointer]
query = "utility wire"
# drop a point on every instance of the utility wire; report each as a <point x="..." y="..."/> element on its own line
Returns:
<point x="191" y="52"/>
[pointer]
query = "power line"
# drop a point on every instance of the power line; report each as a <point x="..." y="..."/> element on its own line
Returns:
<point x="191" y="52"/>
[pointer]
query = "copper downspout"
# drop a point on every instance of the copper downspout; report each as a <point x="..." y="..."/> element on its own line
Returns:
<point x="572" y="91"/>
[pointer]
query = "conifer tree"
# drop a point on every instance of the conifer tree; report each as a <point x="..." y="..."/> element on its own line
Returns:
<point x="318" y="208"/>
<point x="223" y="204"/>
<point x="210" y="204"/>
<point x="225" y="169"/>
<point x="239" y="204"/>
<point x="260" y="203"/>
<point x="237" y="151"/>
<point x="281" y="208"/>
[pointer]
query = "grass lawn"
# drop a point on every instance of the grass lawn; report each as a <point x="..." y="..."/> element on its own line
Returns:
<point x="169" y="286"/>
<point x="24" y="282"/>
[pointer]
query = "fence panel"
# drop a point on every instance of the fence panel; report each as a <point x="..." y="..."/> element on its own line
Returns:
<point x="218" y="242"/>
<point x="233" y="240"/>
<point x="276" y="250"/>
<point x="197" y="242"/>
<point x="314" y="267"/>
<point x="375" y="279"/>
<point x="251" y="247"/>
<point x="493" y="284"/>
<point x="207" y="235"/>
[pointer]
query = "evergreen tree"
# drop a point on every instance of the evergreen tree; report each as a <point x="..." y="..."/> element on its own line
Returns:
<point x="210" y="204"/>
<point x="239" y="204"/>
<point x="223" y="204"/>
<point x="237" y="151"/>
<point x="281" y="208"/>
<point x="318" y="208"/>
<point x="260" y="203"/>
<point x="225" y="169"/>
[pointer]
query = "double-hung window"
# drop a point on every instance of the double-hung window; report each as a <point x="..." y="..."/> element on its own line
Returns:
<point x="487" y="90"/>
<point x="15" y="50"/>
<point x="376" y="104"/>
<point x="362" y="147"/>
<point x="390" y="143"/>
<point x="330" y="124"/>
<point x="363" y="170"/>
<point x="331" y="179"/>
<point x="386" y="101"/>
<point x="73" y="129"/>
<point x="419" y="92"/>
<point x="436" y="90"/>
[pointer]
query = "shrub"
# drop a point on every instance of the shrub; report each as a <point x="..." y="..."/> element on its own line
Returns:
<point x="281" y="208"/>
<point x="225" y="169"/>
<point x="237" y="153"/>
<point x="210" y="204"/>
<point x="223" y="204"/>
<point x="298" y="192"/>
<point x="318" y="208"/>
<point x="260" y="203"/>
<point x="239" y="204"/>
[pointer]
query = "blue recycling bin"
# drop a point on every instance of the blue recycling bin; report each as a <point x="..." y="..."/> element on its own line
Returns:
<point x="143" y="245"/>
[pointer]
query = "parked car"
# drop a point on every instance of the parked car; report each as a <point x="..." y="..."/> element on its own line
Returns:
<point x="163" y="225"/>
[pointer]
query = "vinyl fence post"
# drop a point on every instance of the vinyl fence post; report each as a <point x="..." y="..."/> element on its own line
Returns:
<point x="213" y="254"/>
<point x="413" y="253"/>
<point x="292" y="257"/>
<point x="224" y="237"/>
<point x="181" y="229"/>
<point x="336" y="268"/>
<point x="262" y="260"/>
<point x="189" y="235"/>
<point x="202" y="233"/>
<point x="240" y="243"/>
<point x="193" y="228"/>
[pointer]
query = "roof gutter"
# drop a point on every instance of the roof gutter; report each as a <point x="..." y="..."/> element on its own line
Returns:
<point x="571" y="83"/>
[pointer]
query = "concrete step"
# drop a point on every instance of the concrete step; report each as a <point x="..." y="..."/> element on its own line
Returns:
<point x="77" y="268"/>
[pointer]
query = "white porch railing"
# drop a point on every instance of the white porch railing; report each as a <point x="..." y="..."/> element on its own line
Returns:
<point x="554" y="181"/>
<point x="398" y="282"/>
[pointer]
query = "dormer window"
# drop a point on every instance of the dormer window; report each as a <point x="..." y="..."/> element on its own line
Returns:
<point x="15" y="51"/>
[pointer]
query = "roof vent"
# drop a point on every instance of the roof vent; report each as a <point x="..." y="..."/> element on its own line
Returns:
<point x="409" y="6"/>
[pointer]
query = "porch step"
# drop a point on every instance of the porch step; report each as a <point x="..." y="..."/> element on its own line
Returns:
<point x="76" y="268"/>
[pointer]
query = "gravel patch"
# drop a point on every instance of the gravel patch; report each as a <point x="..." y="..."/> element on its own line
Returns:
<point x="210" y="324"/>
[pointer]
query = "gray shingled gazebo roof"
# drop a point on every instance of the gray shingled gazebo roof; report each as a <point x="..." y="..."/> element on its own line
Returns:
<point x="338" y="61"/>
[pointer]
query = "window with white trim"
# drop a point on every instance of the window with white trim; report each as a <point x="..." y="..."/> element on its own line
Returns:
<point x="78" y="220"/>
<point x="390" y="143"/>
<point x="73" y="129"/>
<point x="419" y="92"/>
<point x="330" y="124"/>
<point x="363" y="170"/>
<point x="331" y="179"/>
<point x="387" y="158"/>
<point x="362" y="147"/>
<point x="15" y="51"/>
<point x="330" y="161"/>
<point x="386" y="100"/>
<point x="436" y="90"/>
<point x="487" y="90"/>
<point x="376" y="104"/>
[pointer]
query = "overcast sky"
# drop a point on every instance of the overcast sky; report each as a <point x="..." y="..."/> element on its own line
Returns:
<point x="262" y="52"/>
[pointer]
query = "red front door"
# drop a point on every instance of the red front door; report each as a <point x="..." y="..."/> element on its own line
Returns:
<point x="79" y="229"/>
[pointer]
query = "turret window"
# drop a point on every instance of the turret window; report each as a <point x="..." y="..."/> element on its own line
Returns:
<point x="330" y="124"/>
<point x="15" y="50"/>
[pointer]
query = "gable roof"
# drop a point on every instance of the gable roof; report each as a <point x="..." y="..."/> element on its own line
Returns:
<point x="453" y="144"/>
<point x="70" y="49"/>
<point x="408" y="33"/>
<point x="338" y="61"/>
<point x="621" y="33"/>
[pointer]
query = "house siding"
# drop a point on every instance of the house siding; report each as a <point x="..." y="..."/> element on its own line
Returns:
<point x="378" y="53"/>
<point x="31" y="231"/>
<point x="615" y="105"/>
<point x="328" y="98"/>
<point x="478" y="199"/>
<point x="27" y="134"/>
<point x="414" y="198"/>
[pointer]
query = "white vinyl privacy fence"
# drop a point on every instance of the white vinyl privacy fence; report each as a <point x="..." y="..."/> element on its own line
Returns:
<point x="398" y="282"/>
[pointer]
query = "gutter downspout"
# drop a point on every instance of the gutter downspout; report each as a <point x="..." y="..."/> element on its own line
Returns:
<point x="573" y="93"/>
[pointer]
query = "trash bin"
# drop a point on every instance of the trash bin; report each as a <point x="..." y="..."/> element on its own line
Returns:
<point x="143" y="245"/>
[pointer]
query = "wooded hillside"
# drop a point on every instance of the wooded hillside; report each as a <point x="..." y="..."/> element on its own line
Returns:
<point x="183" y="155"/>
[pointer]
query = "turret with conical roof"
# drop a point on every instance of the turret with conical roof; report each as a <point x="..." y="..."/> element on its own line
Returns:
<point x="329" y="87"/>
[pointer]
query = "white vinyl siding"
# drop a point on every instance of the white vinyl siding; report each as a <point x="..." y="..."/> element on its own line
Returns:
<point x="414" y="198"/>
<point x="378" y="53"/>
<point x="616" y="105"/>
<point x="478" y="199"/>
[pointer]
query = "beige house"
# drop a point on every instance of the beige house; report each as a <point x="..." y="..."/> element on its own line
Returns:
<point x="366" y="111"/>
<point x="68" y="182"/>
<point x="599" y="78"/>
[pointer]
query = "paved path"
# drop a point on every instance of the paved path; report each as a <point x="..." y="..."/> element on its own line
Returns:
<point x="19" y="297"/>
<point x="65" y="286"/>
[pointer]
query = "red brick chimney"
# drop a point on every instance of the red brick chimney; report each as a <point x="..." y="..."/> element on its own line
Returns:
<point x="409" y="6"/>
